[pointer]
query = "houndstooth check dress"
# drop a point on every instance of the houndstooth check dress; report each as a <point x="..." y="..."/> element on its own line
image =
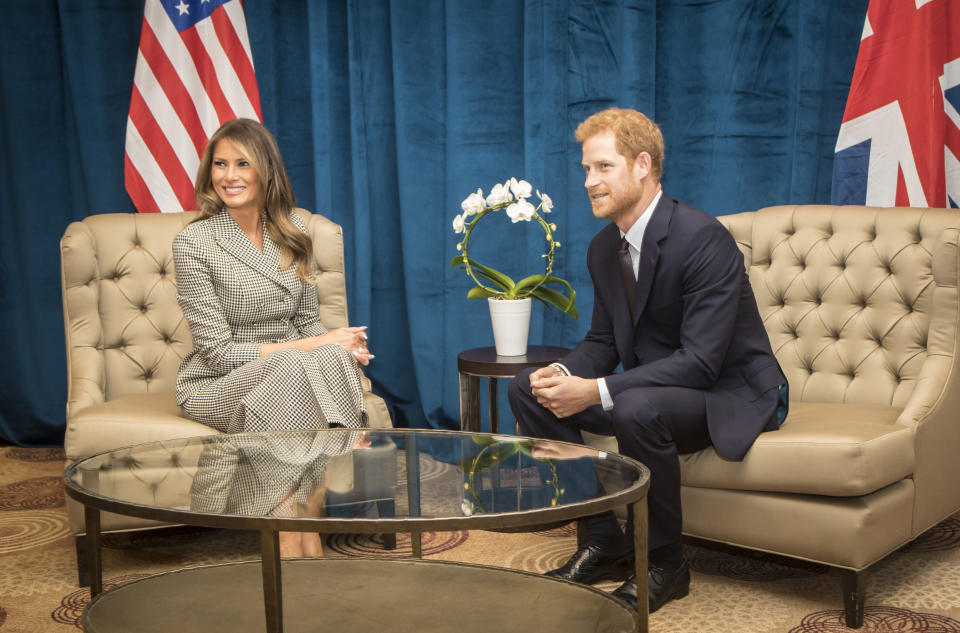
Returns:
<point x="236" y="298"/>
<point x="269" y="474"/>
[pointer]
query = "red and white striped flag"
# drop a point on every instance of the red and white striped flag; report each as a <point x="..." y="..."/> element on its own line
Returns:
<point x="194" y="71"/>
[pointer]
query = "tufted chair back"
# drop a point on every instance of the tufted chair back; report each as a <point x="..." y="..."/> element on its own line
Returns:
<point x="857" y="304"/>
<point x="125" y="332"/>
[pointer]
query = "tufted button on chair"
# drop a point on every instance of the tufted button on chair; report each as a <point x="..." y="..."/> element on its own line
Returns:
<point x="861" y="307"/>
<point x="126" y="336"/>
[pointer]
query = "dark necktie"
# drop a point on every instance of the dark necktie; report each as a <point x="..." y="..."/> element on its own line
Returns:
<point x="626" y="272"/>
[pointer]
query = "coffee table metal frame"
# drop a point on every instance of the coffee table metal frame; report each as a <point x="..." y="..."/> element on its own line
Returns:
<point x="633" y="497"/>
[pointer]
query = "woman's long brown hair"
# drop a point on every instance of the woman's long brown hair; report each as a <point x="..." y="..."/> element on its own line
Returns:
<point x="257" y="144"/>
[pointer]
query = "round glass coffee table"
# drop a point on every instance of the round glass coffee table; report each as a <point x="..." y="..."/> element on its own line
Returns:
<point x="367" y="482"/>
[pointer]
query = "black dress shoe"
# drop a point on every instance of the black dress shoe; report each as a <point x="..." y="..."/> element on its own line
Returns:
<point x="663" y="586"/>
<point x="591" y="564"/>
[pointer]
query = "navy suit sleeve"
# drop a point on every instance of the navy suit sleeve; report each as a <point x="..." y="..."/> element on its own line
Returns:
<point x="712" y="280"/>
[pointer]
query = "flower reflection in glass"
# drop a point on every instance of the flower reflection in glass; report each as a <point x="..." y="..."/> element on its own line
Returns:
<point x="494" y="451"/>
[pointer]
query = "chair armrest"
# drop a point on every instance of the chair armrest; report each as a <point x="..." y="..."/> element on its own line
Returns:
<point x="83" y="329"/>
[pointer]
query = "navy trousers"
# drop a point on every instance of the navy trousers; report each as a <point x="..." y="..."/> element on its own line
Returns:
<point x="653" y="425"/>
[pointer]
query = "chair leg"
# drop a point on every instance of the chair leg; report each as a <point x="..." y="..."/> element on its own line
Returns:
<point x="83" y="570"/>
<point x="853" y="594"/>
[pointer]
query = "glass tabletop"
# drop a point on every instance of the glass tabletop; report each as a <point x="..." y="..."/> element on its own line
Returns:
<point x="357" y="480"/>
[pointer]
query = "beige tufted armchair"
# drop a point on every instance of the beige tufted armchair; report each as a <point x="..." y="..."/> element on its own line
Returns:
<point x="126" y="335"/>
<point x="861" y="308"/>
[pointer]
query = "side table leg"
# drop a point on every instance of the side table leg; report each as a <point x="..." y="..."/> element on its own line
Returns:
<point x="638" y="511"/>
<point x="469" y="403"/>
<point x="91" y="517"/>
<point x="272" y="581"/>
<point x="492" y="387"/>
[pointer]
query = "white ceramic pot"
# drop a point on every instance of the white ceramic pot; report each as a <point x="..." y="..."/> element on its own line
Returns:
<point x="511" y="325"/>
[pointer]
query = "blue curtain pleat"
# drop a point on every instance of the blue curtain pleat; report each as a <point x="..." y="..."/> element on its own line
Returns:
<point x="389" y="114"/>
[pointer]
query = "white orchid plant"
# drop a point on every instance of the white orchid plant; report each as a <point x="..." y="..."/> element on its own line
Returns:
<point x="513" y="196"/>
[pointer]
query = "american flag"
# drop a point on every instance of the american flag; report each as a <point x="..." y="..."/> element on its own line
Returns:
<point x="194" y="71"/>
<point x="900" y="139"/>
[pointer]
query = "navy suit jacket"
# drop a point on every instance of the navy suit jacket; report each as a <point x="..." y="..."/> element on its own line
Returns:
<point x="695" y="324"/>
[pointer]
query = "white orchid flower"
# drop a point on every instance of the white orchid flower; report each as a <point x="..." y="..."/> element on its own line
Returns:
<point x="499" y="195"/>
<point x="508" y="185"/>
<point x="520" y="210"/>
<point x="514" y="196"/>
<point x="546" y="204"/>
<point x="520" y="188"/>
<point x="474" y="203"/>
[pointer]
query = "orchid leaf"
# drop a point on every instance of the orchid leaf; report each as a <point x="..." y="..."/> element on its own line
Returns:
<point x="562" y="282"/>
<point x="527" y="282"/>
<point x="494" y="280"/>
<point x="494" y="276"/>
<point x="558" y="300"/>
<point x="481" y="293"/>
<point x="553" y="297"/>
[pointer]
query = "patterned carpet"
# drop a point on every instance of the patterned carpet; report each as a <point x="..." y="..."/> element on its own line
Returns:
<point x="915" y="590"/>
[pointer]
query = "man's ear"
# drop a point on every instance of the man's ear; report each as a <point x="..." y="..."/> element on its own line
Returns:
<point x="642" y="165"/>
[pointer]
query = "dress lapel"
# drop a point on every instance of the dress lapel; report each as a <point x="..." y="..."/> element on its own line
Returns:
<point x="650" y="253"/>
<point x="233" y="240"/>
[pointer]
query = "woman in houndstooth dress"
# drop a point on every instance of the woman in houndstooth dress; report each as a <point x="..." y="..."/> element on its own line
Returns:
<point x="261" y="358"/>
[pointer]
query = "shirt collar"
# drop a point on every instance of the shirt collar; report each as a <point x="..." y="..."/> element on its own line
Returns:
<point x="635" y="233"/>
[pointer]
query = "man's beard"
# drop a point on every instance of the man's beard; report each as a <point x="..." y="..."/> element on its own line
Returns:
<point x="617" y="203"/>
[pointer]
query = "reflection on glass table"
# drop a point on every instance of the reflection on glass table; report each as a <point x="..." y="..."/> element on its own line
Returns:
<point x="349" y="481"/>
<point x="352" y="477"/>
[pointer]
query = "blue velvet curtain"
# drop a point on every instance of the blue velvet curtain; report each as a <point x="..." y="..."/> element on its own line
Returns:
<point x="388" y="114"/>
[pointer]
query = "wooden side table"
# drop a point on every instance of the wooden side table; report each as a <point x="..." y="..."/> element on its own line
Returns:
<point x="483" y="362"/>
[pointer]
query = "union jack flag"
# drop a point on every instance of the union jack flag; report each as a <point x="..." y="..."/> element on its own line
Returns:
<point x="900" y="139"/>
<point x="194" y="71"/>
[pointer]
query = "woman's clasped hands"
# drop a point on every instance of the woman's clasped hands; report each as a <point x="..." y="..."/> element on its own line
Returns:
<point x="353" y="339"/>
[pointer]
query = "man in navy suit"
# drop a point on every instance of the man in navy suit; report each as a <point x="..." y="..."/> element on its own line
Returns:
<point x="672" y="306"/>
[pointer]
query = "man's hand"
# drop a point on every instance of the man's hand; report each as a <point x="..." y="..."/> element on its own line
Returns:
<point x="544" y="372"/>
<point x="564" y="395"/>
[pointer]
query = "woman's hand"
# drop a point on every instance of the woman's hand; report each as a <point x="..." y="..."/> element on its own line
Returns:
<point x="353" y="339"/>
